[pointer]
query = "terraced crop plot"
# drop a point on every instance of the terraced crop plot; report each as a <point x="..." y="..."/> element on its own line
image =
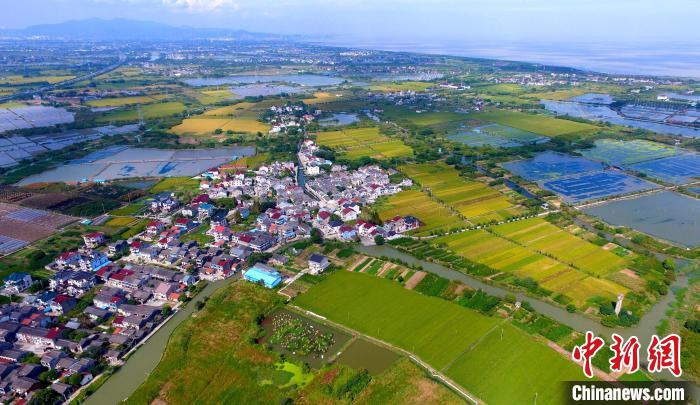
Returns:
<point x="538" y="124"/>
<point x="456" y="340"/>
<point x="497" y="135"/>
<point x="542" y="236"/>
<point x="681" y="169"/>
<point x="620" y="153"/>
<point x="551" y="165"/>
<point x="20" y="226"/>
<point x="476" y="201"/>
<point x="596" y="185"/>
<point x="433" y="215"/>
<point x="503" y="255"/>
<point x="363" y="142"/>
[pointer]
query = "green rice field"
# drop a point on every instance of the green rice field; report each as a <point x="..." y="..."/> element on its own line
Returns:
<point x="460" y="342"/>
<point x="538" y="124"/>
<point x="476" y="201"/>
<point x="363" y="142"/>
<point x="150" y="111"/>
<point x="542" y="236"/>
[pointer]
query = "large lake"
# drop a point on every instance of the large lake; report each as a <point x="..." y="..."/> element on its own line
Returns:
<point x="666" y="215"/>
<point x="301" y="80"/>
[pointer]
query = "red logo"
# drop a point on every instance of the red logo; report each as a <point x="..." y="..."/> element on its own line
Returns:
<point x="626" y="354"/>
<point x="665" y="354"/>
<point x="586" y="351"/>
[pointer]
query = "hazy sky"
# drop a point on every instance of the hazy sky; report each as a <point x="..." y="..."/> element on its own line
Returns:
<point x="611" y="21"/>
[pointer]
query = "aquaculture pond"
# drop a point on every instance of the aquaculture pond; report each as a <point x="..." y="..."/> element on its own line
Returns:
<point x="666" y="215"/>
<point x="302" y="338"/>
<point x="126" y="162"/>
<point x="338" y="119"/>
<point x="365" y="355"/>
<point x="261" y="90"/>
<point x="497" y="135"/>
<point x="551" y="165"/>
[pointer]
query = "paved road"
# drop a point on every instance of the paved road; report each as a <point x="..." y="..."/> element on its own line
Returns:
<point x="122" y="59"/>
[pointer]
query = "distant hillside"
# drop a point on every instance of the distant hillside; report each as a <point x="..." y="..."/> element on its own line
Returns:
<point x="121" y="29"/>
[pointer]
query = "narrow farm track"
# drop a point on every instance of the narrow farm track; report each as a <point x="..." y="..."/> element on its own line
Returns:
<point x="418" y="361"/>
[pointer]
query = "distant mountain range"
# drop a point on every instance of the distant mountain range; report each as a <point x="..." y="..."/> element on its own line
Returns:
<point x="97" y="29"/>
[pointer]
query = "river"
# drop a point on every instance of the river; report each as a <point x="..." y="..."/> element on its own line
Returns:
<point x="137" y="368"/>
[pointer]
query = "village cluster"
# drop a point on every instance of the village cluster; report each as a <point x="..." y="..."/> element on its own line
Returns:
<point x="107" y="296"/>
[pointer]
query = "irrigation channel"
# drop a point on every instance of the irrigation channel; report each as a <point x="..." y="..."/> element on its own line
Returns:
<point x="142" y="361"/>
<point x="124" y="382"/>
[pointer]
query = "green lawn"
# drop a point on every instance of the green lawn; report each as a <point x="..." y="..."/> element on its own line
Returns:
<point x="150" y="111"/>
<point x="442" y="333"/>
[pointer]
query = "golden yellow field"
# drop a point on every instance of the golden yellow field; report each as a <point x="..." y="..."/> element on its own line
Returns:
<point x="363" y="142"/>
<point x="212" y="96"/>
<point x="323" y="97"/>
<point x="236" y="110"/>
<point x="434" y="216"/>
<point x="205" y="126"/>
<point x="476" y="201"/>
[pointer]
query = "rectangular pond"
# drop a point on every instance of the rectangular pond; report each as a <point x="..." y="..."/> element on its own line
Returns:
<point x="497" y="135"/>
<point x="551" y="165"/>
<point x="681" y="169"/>
<point x="120" y="162"/>
<point x="666" y="215"/>
<point x="365" y="355"/>
<point x="596" y="185"/>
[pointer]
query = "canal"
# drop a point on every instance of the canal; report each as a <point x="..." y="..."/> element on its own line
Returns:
<point x="124" y="382"/>
<point x="643" y="330"/>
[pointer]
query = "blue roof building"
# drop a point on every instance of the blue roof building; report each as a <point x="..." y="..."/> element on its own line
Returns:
<point x="263" y="273"/>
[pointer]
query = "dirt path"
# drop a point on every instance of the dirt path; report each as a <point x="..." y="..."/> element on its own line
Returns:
<point x="356" y="263"/>
<point x="413" y="281"/>
<point x="384" y="269"/>
<point x="597" y="372"/>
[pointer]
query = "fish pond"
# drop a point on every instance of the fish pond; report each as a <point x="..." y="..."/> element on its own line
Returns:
<point x="302" y="338"/>
<point x="497" y="135"/>
<point x="666" y="215"/>
<point x="125" y="162"/>
<point x="338" y="119"/>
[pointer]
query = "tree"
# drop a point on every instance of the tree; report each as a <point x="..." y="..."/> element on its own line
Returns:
<point x="256" y="207"/>
<point x="669" y="264"/>
<point x="379" y="240"/>
<point x="75" y="379"/>
<point x="46" y="396"/>
<point x="316" y="236"/>
<point x="166" y="311"/>
<point x="237" y="217"/>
